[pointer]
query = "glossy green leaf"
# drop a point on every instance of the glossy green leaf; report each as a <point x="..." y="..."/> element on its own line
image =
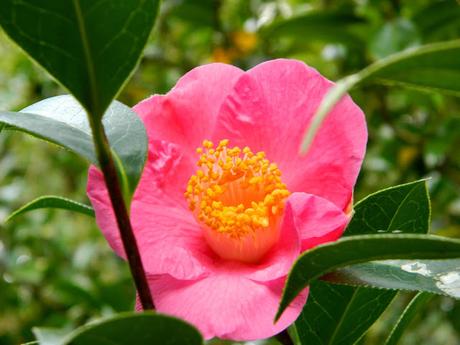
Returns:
<point x="339" y="314"/>
<point x="90" y="46"/>
<point x="403" y="208"/>
<point x="371" y="215"/>
<point x="52" y="201"/>
<point x="407" y="316"/>
<point x="436" y="276"/>
<point x="431" y="67"/>
<point x="336" y="314"/>
<point x="358" y="249"/>
<point x="131" y="328"/>
<point x="61" y="120"/>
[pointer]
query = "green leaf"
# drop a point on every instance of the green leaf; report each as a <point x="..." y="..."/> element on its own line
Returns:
<point x="132" y="328"/>
<point x="436" y="276"/>
<point x="337" y="314"/>
<point x="403" y="208"/>
<point x="433" y="67"/>
<point x="61" y="120"/>
<point x="394" y="36"/>
<point x="90" y="46"/>
<point x="358" y="249"/>
<point x="407" y="316"/>
<point x="52" y="201"/>
<point x="317" y="26"/>
<point x="49" y="336"/>
<point x="438" y="18"/>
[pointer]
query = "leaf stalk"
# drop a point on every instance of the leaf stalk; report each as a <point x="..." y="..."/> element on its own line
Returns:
<point x="112" y="183"/>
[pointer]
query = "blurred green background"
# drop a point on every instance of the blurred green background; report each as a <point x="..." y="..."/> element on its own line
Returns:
<point x="56" y="269"/>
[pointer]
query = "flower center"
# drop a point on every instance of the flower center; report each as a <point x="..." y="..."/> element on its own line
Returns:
<point x="239" y="197"/>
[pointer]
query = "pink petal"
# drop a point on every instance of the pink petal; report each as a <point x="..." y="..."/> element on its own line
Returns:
<point x="186" y="115"/>
<point x="279" y="260"/>
<point x="269" y="110"/>
<point x="317" y="220"/>
<point x="226" y="306"/>
<point x="105" y="218"/>
<point x="168" y="237"/>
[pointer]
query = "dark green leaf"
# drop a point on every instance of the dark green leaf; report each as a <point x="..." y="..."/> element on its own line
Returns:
<point x="89" y="46"/>
<point x="431" y="67"/>
<point x="51" y="201"/>
<point x="404" y="208"/>
<point x="199" y="13"/>
<point x="409" y="313"/>
<point x="358" y="249"/>
<point x="61" y="120"/>
<point x="436" y="276"/>
<point x="132" y="328"/>
<point x="317" y="26"/>
<point x="438" y="18"/>
<point x="337" y="314"/>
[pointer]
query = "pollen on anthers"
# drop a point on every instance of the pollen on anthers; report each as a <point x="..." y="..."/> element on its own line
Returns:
<point x="235" y="191"/>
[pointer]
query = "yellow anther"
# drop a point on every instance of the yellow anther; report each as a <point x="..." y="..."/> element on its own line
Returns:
<point x="255" y="180"/>
<point x="207" y="144"/>
<point x="224" y="142"/>
<point x="269" y="199"/>
<point x="236" y="191"/>
<point x="264" y="222"/>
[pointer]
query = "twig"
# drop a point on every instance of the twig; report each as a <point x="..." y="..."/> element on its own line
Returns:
<point x="112" y="183"/>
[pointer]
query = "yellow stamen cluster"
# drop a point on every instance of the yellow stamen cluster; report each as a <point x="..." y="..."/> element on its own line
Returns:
<point x="235" y="191"/>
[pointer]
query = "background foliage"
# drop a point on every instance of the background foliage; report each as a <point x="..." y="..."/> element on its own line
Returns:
<point x="56" y="269"/>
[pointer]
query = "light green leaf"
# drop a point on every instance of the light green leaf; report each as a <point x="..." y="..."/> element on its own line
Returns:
<point x="131" y="328"/>
<point x="49" y="336"/>
<point x="52" y="201"/>
<point x="61" y="120"/>
<point x="337" y="314"/>
<point x="394" y="36"/>
<point x="436" y="276"/>
<point x="407" y="316"/>
<point x="358" y="249"/>
<point x="90" y="46"/>
<point x="434" y="67"/>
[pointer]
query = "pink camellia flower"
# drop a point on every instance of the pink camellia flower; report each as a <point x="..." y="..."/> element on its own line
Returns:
<point x="226" y="203"/>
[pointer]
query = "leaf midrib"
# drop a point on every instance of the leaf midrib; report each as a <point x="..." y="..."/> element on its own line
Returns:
<point x="92" y="108"/>
<point x="332" y="338"/>
<point x="389" y="226"/>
